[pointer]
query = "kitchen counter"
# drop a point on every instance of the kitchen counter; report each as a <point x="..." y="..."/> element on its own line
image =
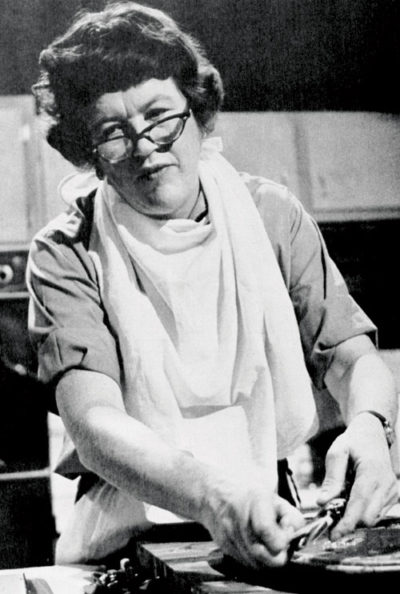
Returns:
<point x="177" y="559"/>
<point x="53" y="579"/>
<point x="182" y="566"/>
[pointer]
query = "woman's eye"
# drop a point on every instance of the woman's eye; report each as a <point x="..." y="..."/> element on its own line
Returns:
<point x="156" y="114"/>
<point x="112" y="133"/>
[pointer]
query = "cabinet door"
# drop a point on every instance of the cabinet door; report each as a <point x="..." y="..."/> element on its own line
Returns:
<point x="353" y="164"/>
<point x="54" y="168"/>
<point x="17" y="170"/>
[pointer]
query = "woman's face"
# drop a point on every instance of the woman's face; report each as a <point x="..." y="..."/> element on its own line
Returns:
<point x="158" y="182"/>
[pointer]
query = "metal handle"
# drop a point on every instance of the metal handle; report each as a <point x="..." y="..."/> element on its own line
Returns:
<point x="6" y="275"/>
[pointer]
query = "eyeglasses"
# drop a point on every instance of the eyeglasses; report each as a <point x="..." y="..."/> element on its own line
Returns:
<point x="161" y="133"/>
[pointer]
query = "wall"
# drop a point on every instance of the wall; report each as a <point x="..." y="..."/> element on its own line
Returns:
<point x="273" y="54"/>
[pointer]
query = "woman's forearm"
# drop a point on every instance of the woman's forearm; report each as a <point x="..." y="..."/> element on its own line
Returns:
<point x="126" y="453"/>
<point x="133" y="458"/>
<point x="360" y="380"/>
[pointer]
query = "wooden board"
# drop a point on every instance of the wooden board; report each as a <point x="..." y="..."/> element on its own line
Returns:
<point x="184" y="568"/>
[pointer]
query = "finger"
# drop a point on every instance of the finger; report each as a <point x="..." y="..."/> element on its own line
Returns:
<point x="371" y="497"/>
<point x="272" y="536"/>
<point x="349" y="521"/>
<point x="363" y="508"/>
<point x="264" y="524"/>
<point x="364" y="491"/>
<point x="336" y="464"/>
<point x="373" y="512"/>
<point x="290" y="518"/>
<point x="263" y="557"/>
<point x="381" y="498"/>
<point x="392" y="500"/>
<point x="235" y="546"/>
<point x="243" y="555"/>
<point x="249" y="550"/>
<point x="256" y="544"/>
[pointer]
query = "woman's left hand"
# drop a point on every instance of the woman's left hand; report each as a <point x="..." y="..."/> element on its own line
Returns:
<point x="363" y="448"/>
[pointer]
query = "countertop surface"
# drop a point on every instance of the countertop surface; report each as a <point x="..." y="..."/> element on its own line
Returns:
<point x="54" y="579"/>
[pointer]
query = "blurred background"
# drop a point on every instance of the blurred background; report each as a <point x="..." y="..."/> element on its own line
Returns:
<point x="312" y="101"/>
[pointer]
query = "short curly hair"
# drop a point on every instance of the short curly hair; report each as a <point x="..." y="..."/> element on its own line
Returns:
<point x="110" y="50"/>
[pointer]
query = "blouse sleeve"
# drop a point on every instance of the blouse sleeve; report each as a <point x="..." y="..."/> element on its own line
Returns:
<point x="67" y="323"/>
<point x="326" y="313"/>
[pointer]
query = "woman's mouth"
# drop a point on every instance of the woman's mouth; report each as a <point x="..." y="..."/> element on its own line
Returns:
<point x="151" y="173"/>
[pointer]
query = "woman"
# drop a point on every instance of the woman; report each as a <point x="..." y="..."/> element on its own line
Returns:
<point x="180" y="309"/>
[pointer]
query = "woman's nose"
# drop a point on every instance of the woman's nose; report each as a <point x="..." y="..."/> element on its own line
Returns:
<point x="143" y="148"/>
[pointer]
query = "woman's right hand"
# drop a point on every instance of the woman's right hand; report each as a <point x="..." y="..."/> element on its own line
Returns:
<point x="250" y="523"/>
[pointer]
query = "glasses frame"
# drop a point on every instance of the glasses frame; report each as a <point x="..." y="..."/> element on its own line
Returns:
<point x="184" y="116"/>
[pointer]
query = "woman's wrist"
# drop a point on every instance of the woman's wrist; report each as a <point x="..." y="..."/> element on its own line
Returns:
<point x="387" y="426"/>
<point x="196" y="481"/>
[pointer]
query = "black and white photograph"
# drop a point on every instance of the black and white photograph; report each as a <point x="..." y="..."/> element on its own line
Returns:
<point x="199" y="305"/>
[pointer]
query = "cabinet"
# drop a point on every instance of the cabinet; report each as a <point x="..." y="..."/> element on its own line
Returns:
<point x="341" y="165"/>
<point x="53" y="168"/>
<point x="21" y="211"/>
<point x="350" y="164"/>
<point x="29" y="171"/>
